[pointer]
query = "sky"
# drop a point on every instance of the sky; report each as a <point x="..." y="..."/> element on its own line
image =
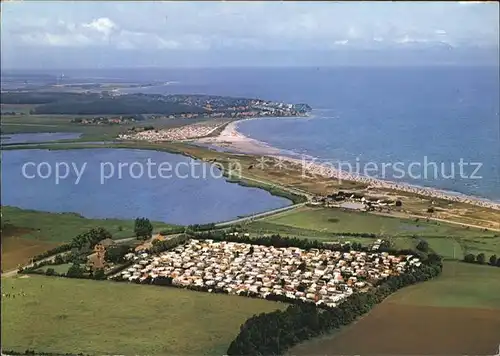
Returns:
<point x="100" y="33"/>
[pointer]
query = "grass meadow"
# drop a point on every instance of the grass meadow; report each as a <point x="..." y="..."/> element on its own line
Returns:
<point x="103" y="317"/>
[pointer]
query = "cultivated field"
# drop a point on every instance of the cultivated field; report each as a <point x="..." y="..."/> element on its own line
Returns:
<point x="68" y="315"/>
<point x="337" y="220"/>
<point x="457" y="313"/>
<point x="18" y="250"/>
<point x="26" y="233"/>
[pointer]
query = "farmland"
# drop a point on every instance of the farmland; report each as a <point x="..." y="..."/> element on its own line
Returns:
<point x="150" y="320"/>
<point x="337" y="220"/>
<point x="26" y="233"/>
<point x="448" y="240"/>
<point x="456" y="313"/>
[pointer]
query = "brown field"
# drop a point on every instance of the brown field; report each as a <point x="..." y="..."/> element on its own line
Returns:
<point x="395" y="329"/>
<point x="457" y="313"/>
<point x="18" y="250"/>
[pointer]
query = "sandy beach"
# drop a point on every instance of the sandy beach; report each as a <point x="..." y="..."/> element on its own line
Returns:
<point x="230" y="138"/>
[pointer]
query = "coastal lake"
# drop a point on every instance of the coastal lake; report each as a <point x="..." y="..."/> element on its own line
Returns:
<point x="95" y="186"/>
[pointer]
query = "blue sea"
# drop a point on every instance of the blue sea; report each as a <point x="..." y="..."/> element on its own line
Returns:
<point x="442" y="118"/>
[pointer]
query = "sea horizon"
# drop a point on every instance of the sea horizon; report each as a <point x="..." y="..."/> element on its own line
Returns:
<point x="376" y="114"/>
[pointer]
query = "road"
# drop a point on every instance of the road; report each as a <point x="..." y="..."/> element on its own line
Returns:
<point x="410" y="216"/>
<point x="282" y="187"/>
<point x="259" y="215"/>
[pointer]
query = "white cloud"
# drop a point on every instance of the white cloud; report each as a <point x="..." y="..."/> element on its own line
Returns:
<point x="473" y="2"/>
<point x="55" y="40"/>
<point x="103" y="25"/>
<point x="254" y="25"/>
<point x="408" y="39"/>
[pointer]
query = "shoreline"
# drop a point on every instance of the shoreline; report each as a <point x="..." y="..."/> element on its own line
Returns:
<point x="230" y="138"/>
<point x="233" y="140"/>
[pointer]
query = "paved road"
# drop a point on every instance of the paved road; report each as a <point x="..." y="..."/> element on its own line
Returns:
<point x="259" y="215"/>
<point x="282" y="187"/>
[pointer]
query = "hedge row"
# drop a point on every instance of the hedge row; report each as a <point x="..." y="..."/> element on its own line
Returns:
<point x="51" y="252"/>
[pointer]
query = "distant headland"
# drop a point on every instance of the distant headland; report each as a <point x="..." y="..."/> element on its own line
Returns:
<point x="143" y="106"/>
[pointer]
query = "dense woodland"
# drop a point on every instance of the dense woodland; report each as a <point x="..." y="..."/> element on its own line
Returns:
<point x="109" y="103"/>
<point x="97" y="104"/>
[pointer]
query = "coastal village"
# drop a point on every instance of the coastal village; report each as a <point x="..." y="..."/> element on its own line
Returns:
<point x="221" y="106"/>
<point x="319" y="276"/>
<point x="114" y="120"/>
<point x="206" y="107"/>
<point x="355" y="201"/>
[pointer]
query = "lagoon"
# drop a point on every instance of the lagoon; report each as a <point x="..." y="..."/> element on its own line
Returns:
<point x="108" y="183"/>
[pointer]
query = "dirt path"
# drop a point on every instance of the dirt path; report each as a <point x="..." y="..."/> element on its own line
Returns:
<point x="409" y="216"/>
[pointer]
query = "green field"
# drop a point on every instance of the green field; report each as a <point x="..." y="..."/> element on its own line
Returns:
<point x="337" y="220"/>
<point x="61" y="269"/>
<point x="450" y="241"/>
<point x="460" y="285"/>
<point x="55" y="227"/>
<point x="68" y="315"/>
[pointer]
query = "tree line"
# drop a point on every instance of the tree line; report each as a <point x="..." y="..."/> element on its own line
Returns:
<point x="77" y="251"/>
<point x="143" y="229"/>
<point x="481" y="259"/>
<point x="114" y="105"/>
<point x="88" y="239"/>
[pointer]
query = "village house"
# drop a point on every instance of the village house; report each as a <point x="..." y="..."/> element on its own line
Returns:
<point x="353" y="201"/>
<point x="97" y="259"/>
